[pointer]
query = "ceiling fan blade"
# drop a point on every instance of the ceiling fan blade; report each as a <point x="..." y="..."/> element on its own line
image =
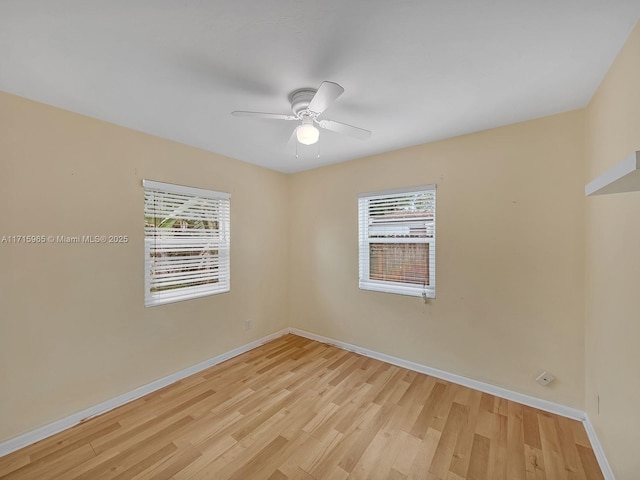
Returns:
<point x="272" y="116"/>
<point x="325" y="96"/>
<point x="350" y="130"/>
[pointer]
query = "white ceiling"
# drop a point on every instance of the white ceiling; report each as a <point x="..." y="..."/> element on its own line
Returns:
<point x="414" y="71"/>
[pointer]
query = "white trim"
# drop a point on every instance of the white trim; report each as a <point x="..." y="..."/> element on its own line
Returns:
<point x="34" y="436"/>
<point x="399" y="289"/>
<point x="598" y="450"/>
<point x="501" y="392"/>
<point x="622" y="177"/>
<point x="182" y="189"/>
<point x="374" y="231"/>
<point x="396" y="191"/>
<point x="175" y="279"/>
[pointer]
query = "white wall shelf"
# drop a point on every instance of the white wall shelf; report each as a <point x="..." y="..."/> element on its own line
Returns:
<point x="623" y="177"/>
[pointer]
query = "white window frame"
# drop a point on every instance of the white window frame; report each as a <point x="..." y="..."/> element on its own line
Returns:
<point x="365" y="240"/>
<point x="205" y="204"/>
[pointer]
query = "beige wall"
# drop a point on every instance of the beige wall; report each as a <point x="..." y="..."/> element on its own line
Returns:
<point x="510" y="257"/>
<point x="613" y="267"/>
<point x="74" y="331"/>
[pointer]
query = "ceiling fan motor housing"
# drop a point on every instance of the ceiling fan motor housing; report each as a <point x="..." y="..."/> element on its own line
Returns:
<point x="300" y="100"/>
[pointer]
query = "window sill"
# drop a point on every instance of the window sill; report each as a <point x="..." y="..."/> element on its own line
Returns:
<point x="395" y="289"/>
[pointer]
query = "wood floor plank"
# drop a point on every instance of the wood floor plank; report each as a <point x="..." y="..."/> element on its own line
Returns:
<point x="140" y="464"/>
<point x="580" y="434"/>
<point x="443" y="407"/>
<point x="395" y="475"/>
<point x="409" y="450"/>
<point x="171" y="465"/>
<point x="162" y="423"/>
<point x="421" y="466"/>
<point x="138" y="451"/>
<point x="457" y="418"/>
<point x="295" y="408"/>
<point x="498" y="449"/>
<point x="316" y="451"/>
<point x="366" y="435"/>
<point x="258" y="462"/>
<point x="462" y="451"/>
<point x="210" y="453"/>
<point x="515" y="442"/>
<point x="479" y="459"/>
<point x="52" y="467"/>
<point x="12" y="462"/>
<point x="589" y="463"/>
<point x="428" y="410"/>
<point x="347" y="443"/>
<point x="531" y="427"/>
<point x="277" y="475"/>
<point x="376" y="462"/>
<point x="300" y="474"/>
<point x="570" y="457"/>
<point x="553" y="461"/>
<point x="394" y="383"/>
<point x="534" y="463"/>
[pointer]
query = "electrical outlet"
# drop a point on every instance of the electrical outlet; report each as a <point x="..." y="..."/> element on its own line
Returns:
<point x="545" y="378"/>
<point x="248" y="324"/>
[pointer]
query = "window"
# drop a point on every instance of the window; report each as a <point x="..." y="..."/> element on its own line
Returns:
<point x="186" y="242"/>
<point x="397" y="231"/>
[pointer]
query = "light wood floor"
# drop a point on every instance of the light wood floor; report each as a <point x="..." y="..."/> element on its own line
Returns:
<point x="299" y="409"/>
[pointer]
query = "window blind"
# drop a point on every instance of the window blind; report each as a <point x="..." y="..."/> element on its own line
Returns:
<point x="397" y="239"/>
<point x="187" y="242"/>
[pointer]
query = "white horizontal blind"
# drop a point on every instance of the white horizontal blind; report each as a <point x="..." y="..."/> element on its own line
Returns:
<point x="397" y="241"/>
<point x="187" y="242"/>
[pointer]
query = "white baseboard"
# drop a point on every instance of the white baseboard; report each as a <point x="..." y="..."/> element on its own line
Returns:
<point x="598" y="450"/>
<point x="41" y="433"/>
<point x="452" y="377"/>
<point x="68" y="422"/>
<point x="501" y="392"/>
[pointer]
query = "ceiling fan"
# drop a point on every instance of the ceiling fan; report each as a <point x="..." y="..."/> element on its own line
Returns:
<point x="307" y="105"/>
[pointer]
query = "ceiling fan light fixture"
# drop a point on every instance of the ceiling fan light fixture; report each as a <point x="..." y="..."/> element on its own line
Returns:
<point x="307" y="134"/>
<point x="307" y="105"/>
